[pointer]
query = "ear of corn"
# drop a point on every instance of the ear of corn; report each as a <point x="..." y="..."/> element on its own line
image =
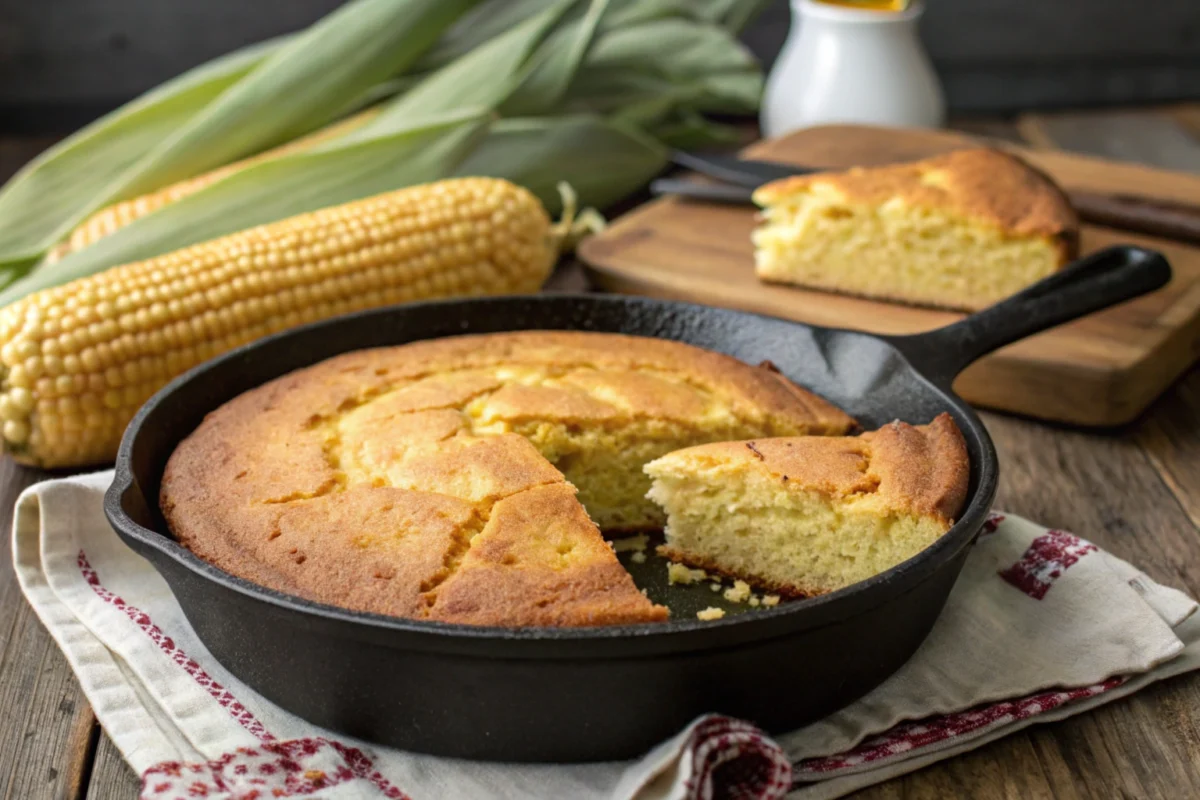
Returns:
<point x="270" y="191"/>
<point x="463" y="86"/>
<point x="78" y="360"/>
<point x="419" y="136"/>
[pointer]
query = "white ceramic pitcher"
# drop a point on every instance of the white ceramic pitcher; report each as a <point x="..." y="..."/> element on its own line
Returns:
<point x="844" y="64"/>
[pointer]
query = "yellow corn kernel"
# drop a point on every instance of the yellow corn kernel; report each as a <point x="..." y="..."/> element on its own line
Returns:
<point x="112" y="218"/>
<point x="68" y="389"/>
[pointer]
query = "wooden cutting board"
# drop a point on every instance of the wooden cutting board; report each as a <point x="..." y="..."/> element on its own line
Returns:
<point x="1101" y="370"/>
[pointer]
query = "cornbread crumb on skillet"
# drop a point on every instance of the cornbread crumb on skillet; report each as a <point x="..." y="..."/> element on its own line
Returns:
<point x="437" y="480"/>
<point x="807" y="515"/>
<point x="961" y="231"/>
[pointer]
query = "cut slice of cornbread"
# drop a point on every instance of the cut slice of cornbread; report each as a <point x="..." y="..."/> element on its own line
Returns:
<point x="959" y="231"/>
<point x="808" y="515"/>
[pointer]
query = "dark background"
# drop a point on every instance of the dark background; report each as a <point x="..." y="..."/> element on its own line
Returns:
<point x="63" y="62"/>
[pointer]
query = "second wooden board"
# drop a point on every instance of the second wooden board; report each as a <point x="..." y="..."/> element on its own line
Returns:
<point x="1101" y="370"/>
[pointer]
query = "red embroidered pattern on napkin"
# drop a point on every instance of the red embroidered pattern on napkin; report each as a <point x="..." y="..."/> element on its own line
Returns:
<point x="297" y="767"/>
<point x="1048" y="557"/>
<point x="909" y="736"/>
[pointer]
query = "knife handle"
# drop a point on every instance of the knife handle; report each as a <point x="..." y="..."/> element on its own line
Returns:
<point x="711" y="192"/>
<point x="1139" y="214"/>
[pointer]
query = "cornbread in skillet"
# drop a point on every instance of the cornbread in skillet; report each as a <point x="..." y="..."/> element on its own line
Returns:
<point x="439" y="479"/>
<point x="960" y="231"/>
<point x="807" y="515"/>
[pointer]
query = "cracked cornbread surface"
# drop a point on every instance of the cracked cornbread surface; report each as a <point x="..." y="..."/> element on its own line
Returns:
<point x="448" y="479"/>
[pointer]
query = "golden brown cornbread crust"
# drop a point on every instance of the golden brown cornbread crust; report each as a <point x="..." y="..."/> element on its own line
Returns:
<point x="983" y="184"/>
<point x="918" y="469"/>
<point x="390" y="480"/>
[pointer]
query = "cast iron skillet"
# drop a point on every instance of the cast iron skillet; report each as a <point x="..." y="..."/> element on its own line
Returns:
<point x="540" y="694"/>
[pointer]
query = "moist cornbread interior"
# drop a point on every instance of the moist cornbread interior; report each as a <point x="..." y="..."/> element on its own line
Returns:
<point x="960" y="231"/>
<point x="438" y="479"/>
<point x="808" y="515"/>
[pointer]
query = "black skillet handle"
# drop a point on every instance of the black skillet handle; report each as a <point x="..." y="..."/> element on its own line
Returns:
<point x="1094" y="282"/>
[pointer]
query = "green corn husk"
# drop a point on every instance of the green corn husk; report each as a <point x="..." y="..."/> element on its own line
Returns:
<point x="291" y="89"/>
<point x="732" y="15"/>
<point x="554" y="66"/>
<point x="483" y="77"/>
<point x="44" y="201"/>
<point x="674" y="47"/>
<point x="492" y="17"/>
<point x="481" y="24"/>
<point x="306" y="82"/>
<point x="663" y="73"/>
<point x="541" y="152"/>
<point x="688" y="130"/>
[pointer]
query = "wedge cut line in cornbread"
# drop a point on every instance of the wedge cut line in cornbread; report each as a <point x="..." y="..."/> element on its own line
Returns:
<point x="465" y="479"/>
<point x="803" y="516"/>
<point x="958" y="231"/>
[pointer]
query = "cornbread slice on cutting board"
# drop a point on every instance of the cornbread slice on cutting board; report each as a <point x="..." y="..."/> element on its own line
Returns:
<point x="453" y="479"/>
<point x="959" y="231"/>
<point x="808" y="515"/>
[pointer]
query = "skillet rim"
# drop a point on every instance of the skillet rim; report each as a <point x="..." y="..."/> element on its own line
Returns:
<point x="803" y="614"/>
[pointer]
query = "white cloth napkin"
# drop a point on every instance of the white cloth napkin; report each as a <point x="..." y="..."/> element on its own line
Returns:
<point x="1040" y="626"/>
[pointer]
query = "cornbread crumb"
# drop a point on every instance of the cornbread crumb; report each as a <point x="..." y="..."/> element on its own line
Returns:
<point x="739" y="592"/>
<point x="680" y="573"/>
<point x="770" y="600"/>
<point x="635" y="543"/>
<point x="754" y="601"/>
<point x="852" y="507"/>
<point x="716" y="587"/>
<point x="639" y="557"/>
<point x="710" y="614"/>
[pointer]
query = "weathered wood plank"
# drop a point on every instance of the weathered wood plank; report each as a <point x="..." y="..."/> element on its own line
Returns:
<point x="46" y="738"/>
<point x="1170" y="435"/>
<point x="112" y="778"/>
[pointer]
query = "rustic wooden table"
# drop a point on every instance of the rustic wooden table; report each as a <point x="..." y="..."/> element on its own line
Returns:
<point x="1134" y="491"/>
